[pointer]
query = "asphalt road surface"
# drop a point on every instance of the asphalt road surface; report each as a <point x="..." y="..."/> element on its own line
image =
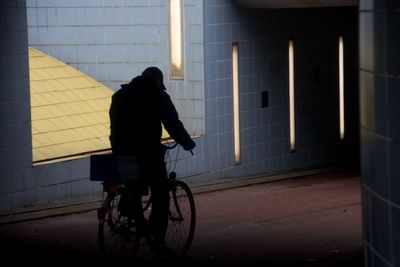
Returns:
<point x="311" y="221"/>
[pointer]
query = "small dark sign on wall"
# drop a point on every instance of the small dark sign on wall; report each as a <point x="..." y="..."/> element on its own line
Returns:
<point x="264" y="99"/>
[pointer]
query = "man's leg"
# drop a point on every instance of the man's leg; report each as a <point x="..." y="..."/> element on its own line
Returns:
<point x="158" y="220"/>
<point x="154" y="170"/>
<point x="135" y="193"/>
<point x="159" y="187"/>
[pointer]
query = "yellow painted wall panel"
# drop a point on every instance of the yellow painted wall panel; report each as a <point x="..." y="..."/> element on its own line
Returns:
<point x="69" y="109"/>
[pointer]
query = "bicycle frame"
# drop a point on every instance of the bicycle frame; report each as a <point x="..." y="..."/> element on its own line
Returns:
<point x="112" y="222"/>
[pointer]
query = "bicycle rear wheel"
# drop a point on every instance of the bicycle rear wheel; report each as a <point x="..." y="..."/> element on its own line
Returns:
<point x="116" y="233"/>
<point x="182" y="218"/>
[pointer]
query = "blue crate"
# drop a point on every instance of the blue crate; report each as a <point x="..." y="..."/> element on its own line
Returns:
<point x="116" y="169"/>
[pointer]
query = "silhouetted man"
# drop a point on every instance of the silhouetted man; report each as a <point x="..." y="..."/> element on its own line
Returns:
<point x="137" y="113"/>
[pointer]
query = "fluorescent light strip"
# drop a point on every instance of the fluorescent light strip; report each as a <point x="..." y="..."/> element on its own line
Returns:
<point x="176" y="38"/>
<point x="236" y="111"/>
<point x="341" y="87"/>
<point x="291" y="97"/>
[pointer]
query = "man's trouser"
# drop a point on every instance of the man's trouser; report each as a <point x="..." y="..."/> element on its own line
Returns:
<point x="154" y="171"/>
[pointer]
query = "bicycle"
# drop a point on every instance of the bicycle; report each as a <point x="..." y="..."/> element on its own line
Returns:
<point x="117" y="233"/>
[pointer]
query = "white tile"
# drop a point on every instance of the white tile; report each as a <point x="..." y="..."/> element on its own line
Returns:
<point x="29" y="3"/>
<point x="199" y="109"/>
<point x="31" y="16"/>
<point x="199" y="90"/>
<point x="80" y="188"/>
<point x="194" y="34"/>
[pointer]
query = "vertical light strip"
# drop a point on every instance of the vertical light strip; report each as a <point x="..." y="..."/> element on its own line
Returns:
<point x="236" y="111"/>
<point x="341" y="87"/>
<point x="176" y="40"/>
<point x="291" y="97"/>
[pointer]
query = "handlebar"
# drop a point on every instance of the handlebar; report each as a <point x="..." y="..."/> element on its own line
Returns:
<point x="167" y="147"/>
<point x="171" y="146"/>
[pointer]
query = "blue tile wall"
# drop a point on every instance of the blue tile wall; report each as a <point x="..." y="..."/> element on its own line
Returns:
<point x="263" y="43"/>
<point x="15" y="144"/>
<point x="116" y="40"/>
<point x="379" y="96"/>
<point x="381" y="227"/>
<point x="112" y="41"/>
<point x="395" y="231"/>
<point x="82" y="33"/>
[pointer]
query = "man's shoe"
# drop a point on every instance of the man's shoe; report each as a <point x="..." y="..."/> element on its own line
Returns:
<point x="143" y="231"/>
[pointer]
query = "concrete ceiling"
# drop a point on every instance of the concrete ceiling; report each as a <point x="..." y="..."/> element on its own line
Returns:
<point x="294" y="3"/>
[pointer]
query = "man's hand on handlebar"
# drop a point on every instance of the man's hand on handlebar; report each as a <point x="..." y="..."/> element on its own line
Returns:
<point x="189" y="146"/>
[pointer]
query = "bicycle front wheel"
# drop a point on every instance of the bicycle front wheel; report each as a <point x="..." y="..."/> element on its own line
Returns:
<point x="182" y="218"/>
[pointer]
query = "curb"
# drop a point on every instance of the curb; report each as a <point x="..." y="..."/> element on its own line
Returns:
<point x="46" y="211"/>
<point x="230" y="183"/>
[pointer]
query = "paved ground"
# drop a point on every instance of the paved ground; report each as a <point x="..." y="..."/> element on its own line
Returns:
<point x="311" y="221"/>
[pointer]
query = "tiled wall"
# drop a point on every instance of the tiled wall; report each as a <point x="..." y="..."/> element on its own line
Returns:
<point x="204" y="98"/>
<point x="380" y="130"/>
<point x="263" y="66"/>
<point x="61" y="182"/>
<point x="15" y="126"/>
<point x="113" y="41"/>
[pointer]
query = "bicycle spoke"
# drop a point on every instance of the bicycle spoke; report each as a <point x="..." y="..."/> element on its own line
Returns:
<point x="116" y="232"/>
<point x="181" y="219"/>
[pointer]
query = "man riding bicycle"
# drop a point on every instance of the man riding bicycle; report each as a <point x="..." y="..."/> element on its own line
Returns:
<point x="138" y="111"/>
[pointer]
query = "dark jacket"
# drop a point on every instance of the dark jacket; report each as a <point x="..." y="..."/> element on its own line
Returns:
<point x="136" y="113"/>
